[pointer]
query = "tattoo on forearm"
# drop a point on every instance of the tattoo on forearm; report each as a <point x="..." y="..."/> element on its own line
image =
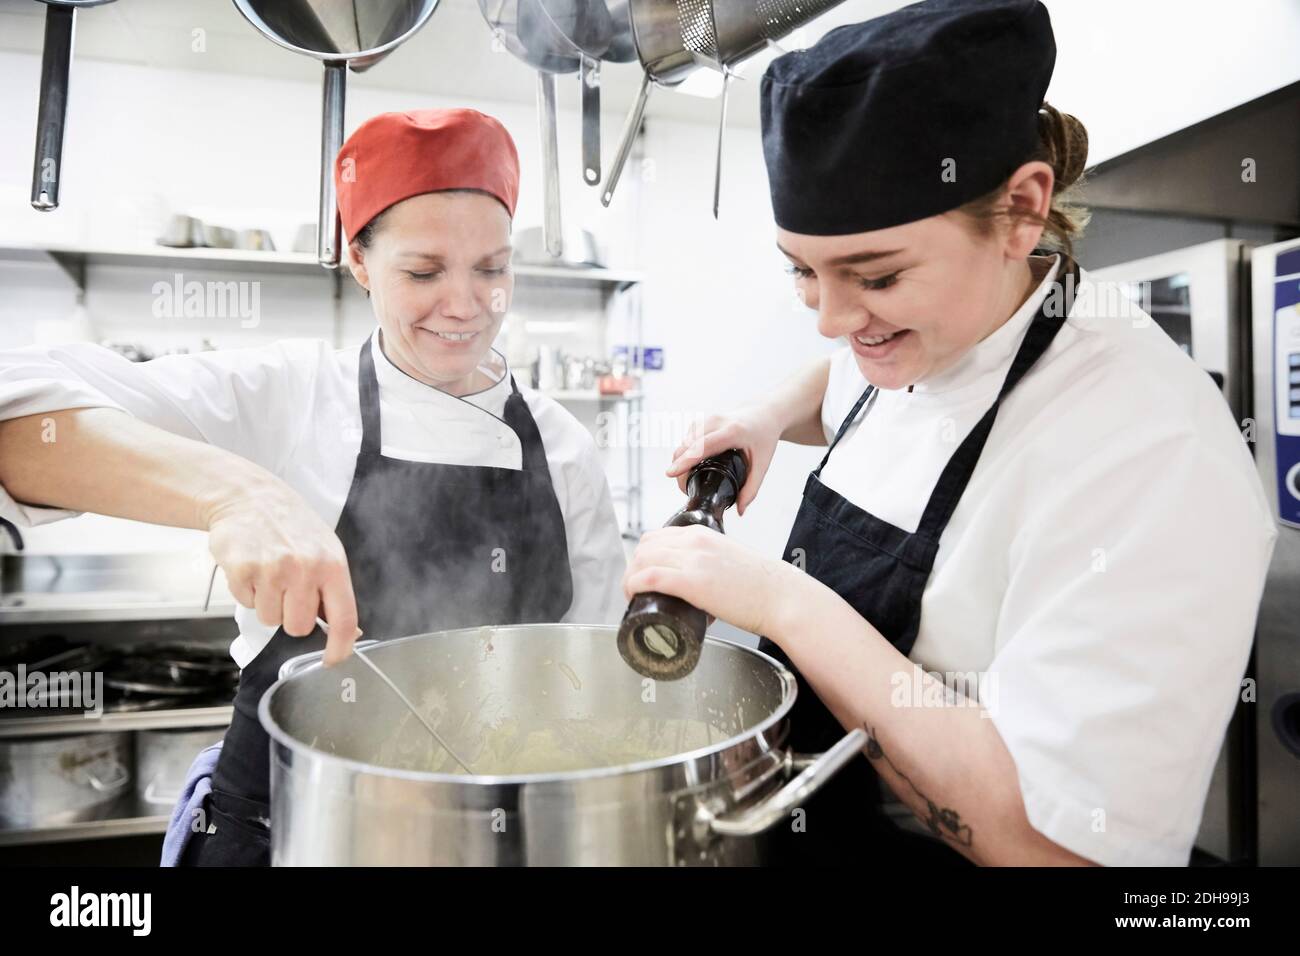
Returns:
<point x="943" y="822"/>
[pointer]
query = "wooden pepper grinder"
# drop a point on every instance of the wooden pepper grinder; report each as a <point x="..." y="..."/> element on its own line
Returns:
<point x="661" y="635"/>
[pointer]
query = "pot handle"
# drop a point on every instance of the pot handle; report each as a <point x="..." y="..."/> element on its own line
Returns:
<point x="552" y="232"/>
<point x="294" y="664"/>
<point x="154" y="794"/>
<point x="758" y="817"/>
<point x="329" y="233"/>
<point x="118" y="777"/>
<point x="56" y="62"/>
<point x="590" y="78"/>
<point x="631" y="127"/>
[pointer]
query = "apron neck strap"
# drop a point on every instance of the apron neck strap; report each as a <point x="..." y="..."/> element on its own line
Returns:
<point x="519" y="418"/>
<point x="845" y="426"/>
<point x="368" y="388"/>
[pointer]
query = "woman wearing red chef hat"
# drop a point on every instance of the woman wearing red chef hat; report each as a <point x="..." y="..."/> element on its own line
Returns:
<point x="386" y="487"/>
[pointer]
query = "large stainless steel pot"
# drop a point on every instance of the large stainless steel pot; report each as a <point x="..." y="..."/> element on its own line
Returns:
<point x="580" y="249"/>
<point x="55" y="781"/>
<point x="601" y="765"/>
<point x="162" y="762"/>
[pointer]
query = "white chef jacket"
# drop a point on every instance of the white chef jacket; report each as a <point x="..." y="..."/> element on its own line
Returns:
<point x="293" y="408"/>
<point x="1101" y="574"/>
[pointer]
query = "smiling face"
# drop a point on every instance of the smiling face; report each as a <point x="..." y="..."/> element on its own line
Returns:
<point x="910" y="300"/>
<point x="438" y="272"/>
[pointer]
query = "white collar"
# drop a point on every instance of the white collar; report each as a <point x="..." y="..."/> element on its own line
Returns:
<point x="396" y="385"/>
<point x="994" y="352"/>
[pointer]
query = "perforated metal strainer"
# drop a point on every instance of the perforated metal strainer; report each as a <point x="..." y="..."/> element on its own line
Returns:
<point x="676" y="37"/>
<point x="744" y="28"/>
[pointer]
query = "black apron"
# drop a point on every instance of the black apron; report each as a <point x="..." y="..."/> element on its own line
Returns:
<point x="881" y="571"/>
<point x="422" y="542"/>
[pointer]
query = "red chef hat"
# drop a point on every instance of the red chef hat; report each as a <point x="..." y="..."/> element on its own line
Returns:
<point x="394" y="156"/>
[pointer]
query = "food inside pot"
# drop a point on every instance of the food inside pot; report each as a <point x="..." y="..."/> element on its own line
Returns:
<point x="513" y="747"/>
<point x="523" y="700"/>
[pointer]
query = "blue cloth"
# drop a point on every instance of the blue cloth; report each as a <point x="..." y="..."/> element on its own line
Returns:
<point x="198" y="784"/>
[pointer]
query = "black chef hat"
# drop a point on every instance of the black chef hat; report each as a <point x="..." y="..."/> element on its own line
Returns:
<point x="859" y="129"/>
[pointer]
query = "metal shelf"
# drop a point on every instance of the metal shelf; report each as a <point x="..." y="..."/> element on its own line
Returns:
<point x="67" y="589"/>
<point x="578" y="395"/>
<point x="75" y="259"/>
<point x="88" y="830"/>
<point x="134" y="822"/>
<point x="59" y="608"/>
<point x="571" y="275"/>
<point x="142" y="720"/>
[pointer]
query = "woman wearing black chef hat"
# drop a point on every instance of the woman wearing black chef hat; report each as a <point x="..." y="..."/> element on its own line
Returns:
<point x="1030" y="561"/>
